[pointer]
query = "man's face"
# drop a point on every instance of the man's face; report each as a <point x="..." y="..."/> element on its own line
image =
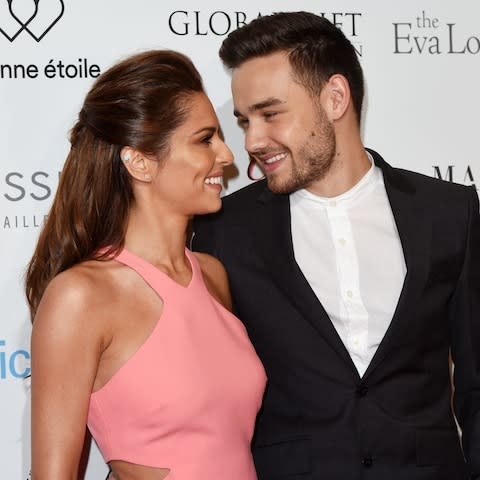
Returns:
<point x="287" y="132"/>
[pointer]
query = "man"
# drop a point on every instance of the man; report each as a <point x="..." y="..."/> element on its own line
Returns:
<point x="355" y="280"/>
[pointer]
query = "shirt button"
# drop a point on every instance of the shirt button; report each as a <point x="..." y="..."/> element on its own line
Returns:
<point x="362" y="390"/>
<point x="367" y="462"/>
<point x="332" y="203"/>
<point x="342" y="242"/>
<point x="349" y="294"/>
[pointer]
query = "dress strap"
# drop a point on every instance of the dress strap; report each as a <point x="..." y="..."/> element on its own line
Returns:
<point x="196" y="270"/>
<point x="155" y="277"/>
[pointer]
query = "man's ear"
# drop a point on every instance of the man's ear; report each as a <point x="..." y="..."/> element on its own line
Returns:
<point x="336" y="97"/>
<point x="137" y="165"/>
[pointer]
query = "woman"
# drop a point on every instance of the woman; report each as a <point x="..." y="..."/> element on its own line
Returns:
<point x="132" y="334"/>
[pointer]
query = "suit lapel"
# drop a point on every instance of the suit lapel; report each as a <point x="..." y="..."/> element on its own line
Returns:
<point x="414" y="228"/>
<point x="415" y="232"/>
<point x="277" y="249"/>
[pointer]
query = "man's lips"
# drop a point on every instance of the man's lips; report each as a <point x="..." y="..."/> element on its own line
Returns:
<point x="271" y="161"/>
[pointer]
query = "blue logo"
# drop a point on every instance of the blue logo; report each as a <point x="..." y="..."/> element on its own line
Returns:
<point x="15" y="364"/>
<point x="36" y="18"/>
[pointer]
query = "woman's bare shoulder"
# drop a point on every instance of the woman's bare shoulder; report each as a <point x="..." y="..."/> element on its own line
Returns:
<point x="80" y="283"/>
<point x="215" y="277"/>
<point x="78" y="292"/>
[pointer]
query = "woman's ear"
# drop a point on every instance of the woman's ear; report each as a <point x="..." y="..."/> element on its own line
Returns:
<point x="137" y="164"/>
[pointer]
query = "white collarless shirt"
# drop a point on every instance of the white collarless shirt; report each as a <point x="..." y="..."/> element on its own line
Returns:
<point x="349" y="250"/>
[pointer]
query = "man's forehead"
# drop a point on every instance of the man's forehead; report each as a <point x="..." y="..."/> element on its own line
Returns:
<point x="264" y="67"/>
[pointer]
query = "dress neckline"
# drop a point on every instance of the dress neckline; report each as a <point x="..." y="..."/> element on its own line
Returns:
<point x="134" y="261"/>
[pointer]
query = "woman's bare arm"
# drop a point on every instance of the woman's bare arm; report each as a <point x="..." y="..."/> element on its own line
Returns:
<point x="66" y="347"/>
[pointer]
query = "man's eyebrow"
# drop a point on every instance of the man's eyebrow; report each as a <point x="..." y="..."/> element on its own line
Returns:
<point x="269" y="102"/>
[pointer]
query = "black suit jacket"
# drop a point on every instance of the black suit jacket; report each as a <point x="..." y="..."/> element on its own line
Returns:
<point x="319" y="419"/>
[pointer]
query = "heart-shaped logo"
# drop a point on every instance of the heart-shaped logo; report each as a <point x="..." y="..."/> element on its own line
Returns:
<point x="36" y="18"/>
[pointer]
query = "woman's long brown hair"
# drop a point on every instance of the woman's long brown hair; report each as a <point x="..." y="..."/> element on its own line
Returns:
<point x="138" y="102"/>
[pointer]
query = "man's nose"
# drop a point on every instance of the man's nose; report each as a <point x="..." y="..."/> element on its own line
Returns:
<point x="255" y="139"/>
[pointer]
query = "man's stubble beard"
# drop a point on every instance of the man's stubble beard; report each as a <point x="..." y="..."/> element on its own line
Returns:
<point x="313" y="161"/>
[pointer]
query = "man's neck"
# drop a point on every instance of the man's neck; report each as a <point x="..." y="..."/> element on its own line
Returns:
<point x="348" y="168"/>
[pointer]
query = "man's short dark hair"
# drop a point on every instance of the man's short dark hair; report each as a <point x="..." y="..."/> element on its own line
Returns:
<point x="316" y="49"/>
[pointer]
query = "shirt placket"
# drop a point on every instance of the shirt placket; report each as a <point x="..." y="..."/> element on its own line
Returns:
<point x="352" y="309"/>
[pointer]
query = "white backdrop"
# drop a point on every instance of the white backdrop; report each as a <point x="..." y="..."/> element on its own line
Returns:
<point x="422" y="70"/>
